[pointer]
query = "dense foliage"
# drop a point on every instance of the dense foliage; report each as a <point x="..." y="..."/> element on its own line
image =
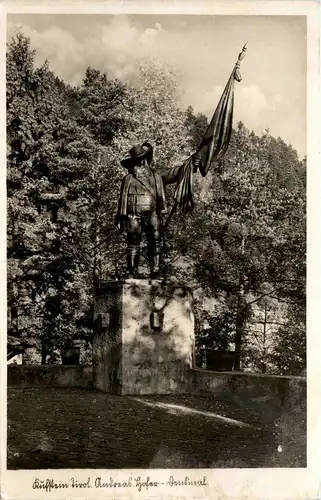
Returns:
<point x="242" y="249"/>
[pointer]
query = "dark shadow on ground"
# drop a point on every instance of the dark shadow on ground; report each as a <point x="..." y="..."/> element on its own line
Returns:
<point x="71" y="428"/>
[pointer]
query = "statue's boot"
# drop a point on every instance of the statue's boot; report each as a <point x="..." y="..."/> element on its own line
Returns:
<point x="155" y="272"/>
<point x="133" y="262"/>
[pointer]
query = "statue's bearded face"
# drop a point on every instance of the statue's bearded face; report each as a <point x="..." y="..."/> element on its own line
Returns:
<point x="141" y="167"/>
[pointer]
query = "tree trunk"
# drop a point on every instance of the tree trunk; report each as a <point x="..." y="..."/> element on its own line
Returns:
<point x="96" y="258"/>
<point x="240" y="317"/>
<point x="239" y="326"/>
<point x="264" y="339"/>
<point x="43" y="350"/>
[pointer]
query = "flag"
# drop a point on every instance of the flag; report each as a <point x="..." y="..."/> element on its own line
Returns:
<point x="184" y="189"/>
<point x="218" y="134"/>
<point x="214" y="144"/>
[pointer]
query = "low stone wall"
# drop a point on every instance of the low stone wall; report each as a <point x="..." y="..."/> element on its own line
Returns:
<point x="265" y="393"/>
<point x="80" y="376"/>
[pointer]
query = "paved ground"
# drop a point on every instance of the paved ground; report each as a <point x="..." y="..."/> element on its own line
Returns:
<point x="70" y="428"/>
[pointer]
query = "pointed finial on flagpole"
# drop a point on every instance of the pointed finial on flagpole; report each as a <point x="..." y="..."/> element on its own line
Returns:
<point x="242" y="53"/>
<point x="237" y="74"/>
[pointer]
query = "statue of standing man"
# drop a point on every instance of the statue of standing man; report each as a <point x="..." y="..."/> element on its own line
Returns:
<point x="142" y="205"/>
<point x="142" y="200"/>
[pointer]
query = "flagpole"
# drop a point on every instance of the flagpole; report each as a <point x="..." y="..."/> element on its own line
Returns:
<point x="235" y="75"/>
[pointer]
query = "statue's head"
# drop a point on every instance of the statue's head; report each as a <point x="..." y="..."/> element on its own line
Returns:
<point x="138" y="155"/>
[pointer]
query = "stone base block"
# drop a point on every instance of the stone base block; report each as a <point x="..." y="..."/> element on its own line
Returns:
<point x="144" y="337"/>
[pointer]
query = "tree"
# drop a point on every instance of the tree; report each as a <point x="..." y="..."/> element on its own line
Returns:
<point x="252" y="244"/>
<point x="260" y="340"/>
<point x="49" y="157"/>
<point x="101" y="106"/>
<point x="289" y="353"/>
<point x="196" y="125"/>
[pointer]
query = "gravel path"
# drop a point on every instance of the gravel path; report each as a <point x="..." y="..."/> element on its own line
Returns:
<point x="71" y="428"/>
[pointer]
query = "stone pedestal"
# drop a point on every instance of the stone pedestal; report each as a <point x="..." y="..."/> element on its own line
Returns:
<point x="144" y="337"/>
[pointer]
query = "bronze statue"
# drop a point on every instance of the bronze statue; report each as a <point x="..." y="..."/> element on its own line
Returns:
<point x="142" y="205"/>
<point x="142" y="201"/>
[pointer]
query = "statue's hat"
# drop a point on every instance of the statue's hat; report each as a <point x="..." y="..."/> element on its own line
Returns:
<point x="137" y="154"/>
